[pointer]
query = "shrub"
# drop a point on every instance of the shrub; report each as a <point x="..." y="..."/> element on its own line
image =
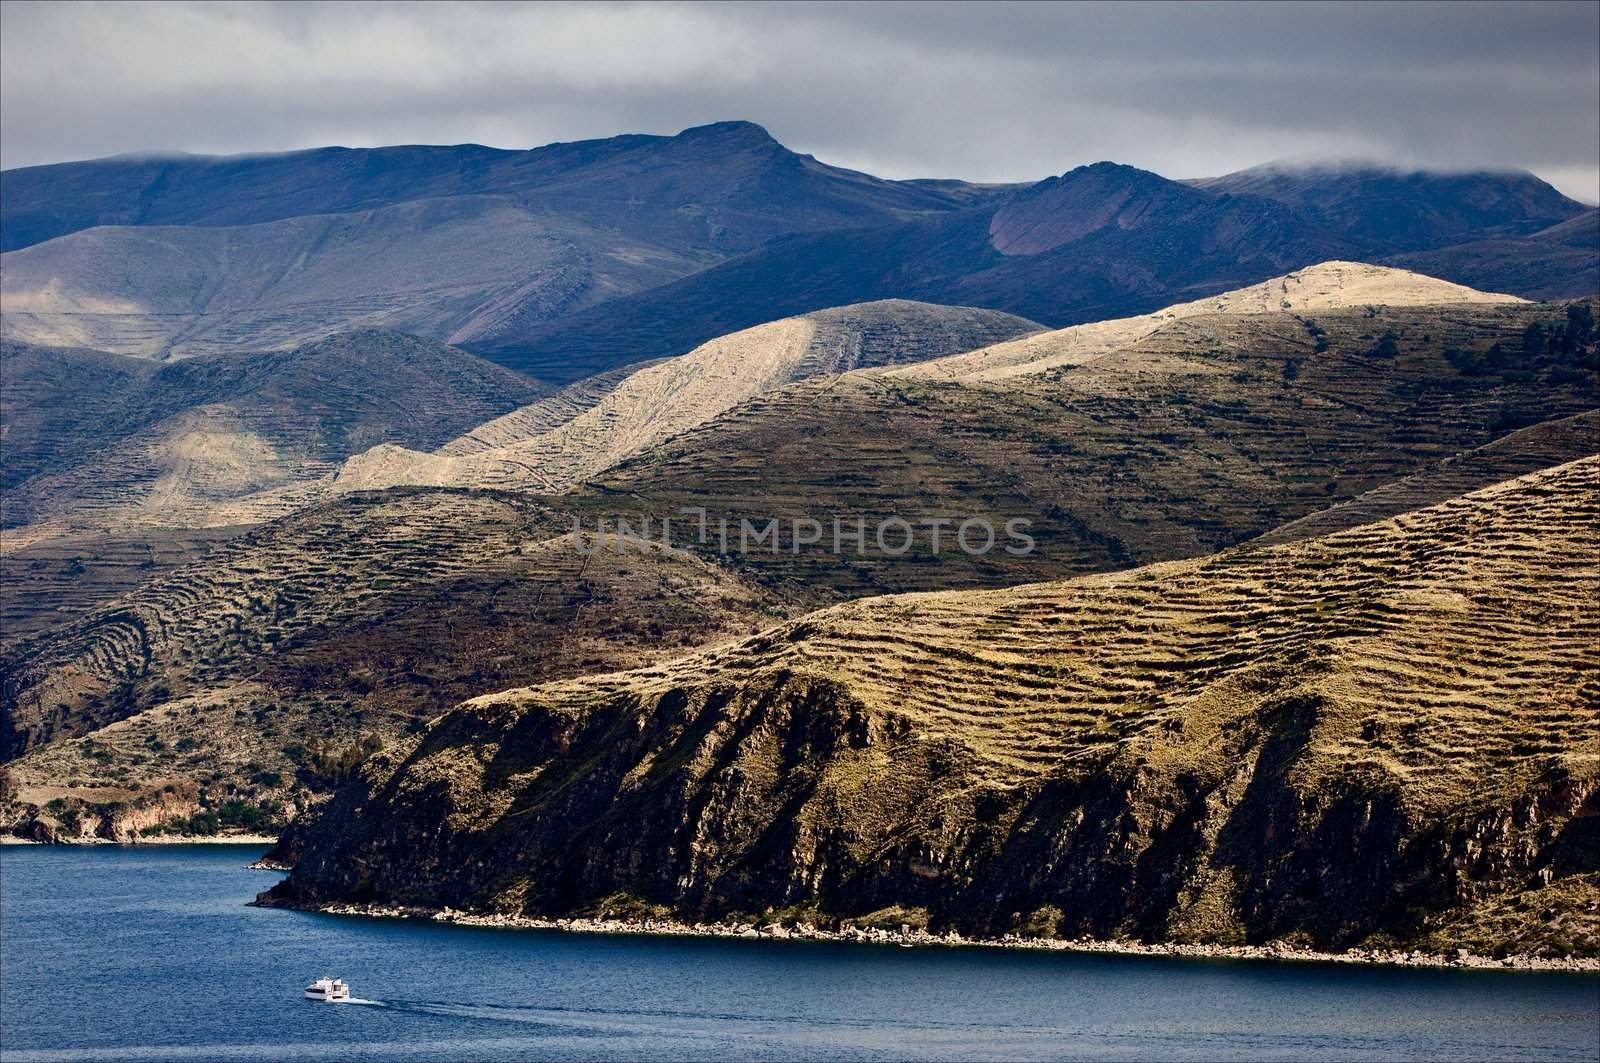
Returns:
<point x="1580" y="324"/>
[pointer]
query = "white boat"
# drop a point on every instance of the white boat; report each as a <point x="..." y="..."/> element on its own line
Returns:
<point x="329" y="989"/>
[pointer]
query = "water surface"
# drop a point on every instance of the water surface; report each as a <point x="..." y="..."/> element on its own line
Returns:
<point x="150" y="953"/>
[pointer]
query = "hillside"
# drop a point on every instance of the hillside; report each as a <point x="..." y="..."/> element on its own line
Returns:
<point x="1518" y="453"/>
<point x="1324" y="286"/>
<point x="56" y="402"/>
<point x="236" y="676"/>
<point x="1387" y="735"/>
<point x="98" y="441"/>
<point x="663" y="400"/>
<point x="1182" y="438"/>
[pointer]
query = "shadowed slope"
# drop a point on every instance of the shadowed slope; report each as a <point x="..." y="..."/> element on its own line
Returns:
<point x="1519" y="453"/>
<point x="231" y="439"/>
<point x="1407" y="210"/>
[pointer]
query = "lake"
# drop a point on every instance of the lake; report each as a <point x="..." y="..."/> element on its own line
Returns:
<point x="150" y="953"/>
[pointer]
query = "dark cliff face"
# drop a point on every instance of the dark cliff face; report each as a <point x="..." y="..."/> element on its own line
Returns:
<point x="786" y="792"/>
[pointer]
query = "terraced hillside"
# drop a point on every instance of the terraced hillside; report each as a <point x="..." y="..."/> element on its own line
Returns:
<point x="65" y="577"/>
<point x="1200" y="432"/>
<point x="1524" y="451"/>
<point x="670" y="397"/>
<point x="98" y="441"/>
<point x="1387" y="734"/>
<point x="349" y="622"/>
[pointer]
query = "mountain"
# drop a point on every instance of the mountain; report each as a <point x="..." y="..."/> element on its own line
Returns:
<point x="1496" y="231"/>
<point x="1127" y="241"/>
<point x="1402" y="210"/>
<point x="193" y="255"/>
<point x="1378" y="737"/>
<point x="728" y="182"/>
<point x="573" y="259"/>
<point x="666" y="399"/>
<point x="98" y="439"/>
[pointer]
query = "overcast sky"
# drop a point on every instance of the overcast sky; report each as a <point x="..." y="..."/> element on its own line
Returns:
<point x="984" y="92"/>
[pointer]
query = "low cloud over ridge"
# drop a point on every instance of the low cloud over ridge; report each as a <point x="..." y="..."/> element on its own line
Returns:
<point x="985" y="92"/>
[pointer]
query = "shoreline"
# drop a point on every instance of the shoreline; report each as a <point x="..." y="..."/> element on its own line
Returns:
<point x="158" y="839"/>
<point x="1460" y="960"/>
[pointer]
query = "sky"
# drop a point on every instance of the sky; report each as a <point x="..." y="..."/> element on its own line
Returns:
<point x="985" y="92"/>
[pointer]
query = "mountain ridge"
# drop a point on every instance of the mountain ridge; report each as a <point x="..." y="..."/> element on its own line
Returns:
<point x="573" y="259"/>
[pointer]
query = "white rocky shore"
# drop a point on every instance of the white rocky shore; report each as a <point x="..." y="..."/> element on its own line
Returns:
<point x="1461" y="958"/>
<point x="151" y="839"/>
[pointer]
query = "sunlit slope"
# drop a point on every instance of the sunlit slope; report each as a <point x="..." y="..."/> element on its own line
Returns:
<point x="1326" y="286"/>
<point x="665" y="399"/>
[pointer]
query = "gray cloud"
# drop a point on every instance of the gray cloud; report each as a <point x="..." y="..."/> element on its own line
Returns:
<point x="987" y="91"/>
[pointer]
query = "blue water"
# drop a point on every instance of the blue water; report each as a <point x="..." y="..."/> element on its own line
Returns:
<point x="150" y="953"/>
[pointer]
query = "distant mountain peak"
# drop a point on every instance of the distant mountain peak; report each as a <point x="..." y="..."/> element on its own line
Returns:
<point x="1081" y="201"/>
<point x="734" y="132"/>
<point x="1392" y="207"/>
